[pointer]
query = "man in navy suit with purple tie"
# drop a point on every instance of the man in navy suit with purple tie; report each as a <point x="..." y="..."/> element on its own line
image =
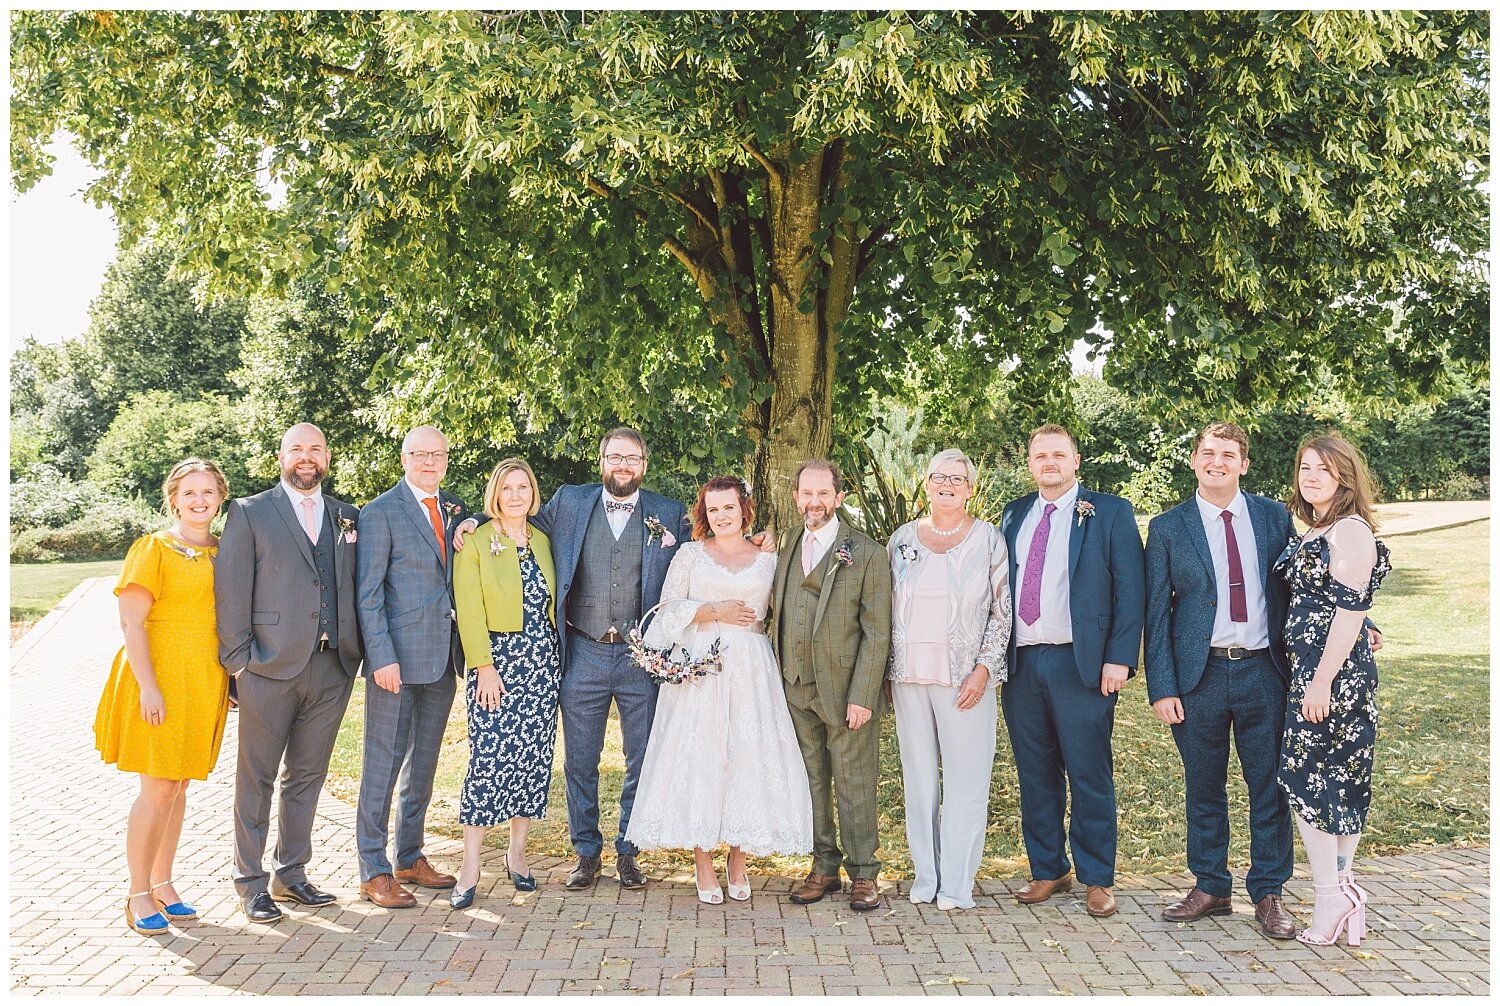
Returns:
<point x="1080" y="606"/>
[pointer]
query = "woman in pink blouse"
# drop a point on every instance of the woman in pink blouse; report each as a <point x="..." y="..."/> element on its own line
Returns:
<point x="950" y="624"/>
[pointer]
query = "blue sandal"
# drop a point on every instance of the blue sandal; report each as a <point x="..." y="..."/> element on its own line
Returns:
<point x="152" y="925"/>
<point x="181" y="911"/>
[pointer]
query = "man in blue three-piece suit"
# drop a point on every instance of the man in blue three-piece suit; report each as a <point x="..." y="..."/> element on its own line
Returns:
<point x="612" y="542"/>
<point x="1080" y="606"/>
<point x="404" y="575"/>
<point x="1215" y="663"/>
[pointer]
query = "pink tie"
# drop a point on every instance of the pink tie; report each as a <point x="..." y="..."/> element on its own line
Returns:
<point x="307" y="520"/>
<point x="807" y="554"/>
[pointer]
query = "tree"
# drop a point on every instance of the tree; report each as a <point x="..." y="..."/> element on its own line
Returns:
<point x="740" y="223"/>
<point x="156" y="430"/>
<point x="148" y="331"/>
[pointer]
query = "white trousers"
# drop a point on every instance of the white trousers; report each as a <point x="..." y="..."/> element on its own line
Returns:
<point x="945" y="825"/>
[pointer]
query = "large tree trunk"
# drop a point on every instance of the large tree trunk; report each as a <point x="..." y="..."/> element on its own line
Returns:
<point x="791" y="322"/>
<point x="810" y="296"/>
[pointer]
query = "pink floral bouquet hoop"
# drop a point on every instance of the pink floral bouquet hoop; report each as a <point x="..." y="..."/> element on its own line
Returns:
<point x="673" y="663"/>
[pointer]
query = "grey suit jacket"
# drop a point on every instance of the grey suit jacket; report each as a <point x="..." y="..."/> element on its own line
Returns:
<point x="405" y="589"/>
<point x="266" y="588"/>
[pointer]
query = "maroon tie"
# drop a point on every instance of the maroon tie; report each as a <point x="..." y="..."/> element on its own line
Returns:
<point x="1237" y="612"/>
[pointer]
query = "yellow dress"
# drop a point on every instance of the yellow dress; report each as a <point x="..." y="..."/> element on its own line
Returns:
<point x="181" y="632"/>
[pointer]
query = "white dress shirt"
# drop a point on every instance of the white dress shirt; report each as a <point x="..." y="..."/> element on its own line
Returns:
<point x="1254" y="633"/>
<point x="422" y="494"/>
<point x="823" y="539"/>
<point x="297" y="497"/>
<point x="619" y="518"/>
<point x="1055" y="625"/>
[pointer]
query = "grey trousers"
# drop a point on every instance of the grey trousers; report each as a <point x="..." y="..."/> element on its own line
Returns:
<point x="403" y="738"/>
<point x="296" y="720"/>
<point x="945" y="827"/>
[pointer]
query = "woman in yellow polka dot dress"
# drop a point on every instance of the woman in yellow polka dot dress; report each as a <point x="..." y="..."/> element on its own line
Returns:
<point x="162" y="713"/>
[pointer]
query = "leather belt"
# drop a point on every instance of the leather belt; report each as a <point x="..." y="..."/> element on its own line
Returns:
<point x="612" y="636"/>
<point x="1236" y="652"/>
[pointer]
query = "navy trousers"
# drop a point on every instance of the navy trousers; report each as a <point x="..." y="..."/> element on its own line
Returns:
<point x="597" y="674"/>
<point x="1247" y="698"/>
<point x="1061" y="730"/>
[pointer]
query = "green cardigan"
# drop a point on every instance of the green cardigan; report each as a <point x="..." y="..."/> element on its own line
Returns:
<point x="487" y="589"/>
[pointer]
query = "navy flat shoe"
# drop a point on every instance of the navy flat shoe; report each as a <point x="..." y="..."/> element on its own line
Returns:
<point x="526" y="883"/>
<point x="462" y="899"/>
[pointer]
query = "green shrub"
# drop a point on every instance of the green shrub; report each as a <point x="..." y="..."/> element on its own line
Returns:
<point x="1463" y="486"/>
<point x="104" y="532"/>
<point x="44" y="497"/>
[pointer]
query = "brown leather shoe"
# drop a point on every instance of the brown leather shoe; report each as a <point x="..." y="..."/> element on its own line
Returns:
<point x="385" y="892"/>
<point x="815" y="887"/>
<point x="1100" y="902"/>
<point x="585" y="872"/>
<point x="422" y="873"/>
<point x="1196" y="905"/>
<point x="864" y="894"/>
<point x="1275" y="921"/>
<point x="628" y="873"/>
<point x="1038" y="891"/>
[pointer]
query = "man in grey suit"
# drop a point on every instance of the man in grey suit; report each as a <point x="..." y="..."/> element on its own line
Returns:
<point x="405" y="591"/>
<point x="284" y="599"/>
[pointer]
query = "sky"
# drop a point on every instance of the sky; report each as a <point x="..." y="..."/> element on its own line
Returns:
<point x="60" y="245"/>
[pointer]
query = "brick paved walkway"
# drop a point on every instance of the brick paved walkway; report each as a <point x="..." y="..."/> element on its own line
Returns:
<point x="1430" y="924"/>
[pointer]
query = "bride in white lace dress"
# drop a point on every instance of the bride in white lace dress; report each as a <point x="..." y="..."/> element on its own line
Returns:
<point x="722" y="765"/>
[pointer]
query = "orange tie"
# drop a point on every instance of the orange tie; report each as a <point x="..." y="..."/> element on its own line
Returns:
<point x="437" y="526"/>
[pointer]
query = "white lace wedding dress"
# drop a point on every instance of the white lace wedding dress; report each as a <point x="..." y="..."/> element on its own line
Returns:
<point x="722" y="765"/>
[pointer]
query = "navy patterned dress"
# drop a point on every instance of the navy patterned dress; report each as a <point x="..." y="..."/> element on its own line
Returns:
<point x="1326" y="767"/>
<point x="510" y="749"/>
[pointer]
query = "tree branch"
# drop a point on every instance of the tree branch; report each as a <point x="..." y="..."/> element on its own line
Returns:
<point x="765" y="162"/>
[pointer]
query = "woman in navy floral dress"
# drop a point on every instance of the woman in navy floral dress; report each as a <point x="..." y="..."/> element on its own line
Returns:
<point x="1328" y="749"/>
<point x="503" y="586"/>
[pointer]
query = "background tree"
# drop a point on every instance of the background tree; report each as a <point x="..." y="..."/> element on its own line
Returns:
<point x="688" y="217"/>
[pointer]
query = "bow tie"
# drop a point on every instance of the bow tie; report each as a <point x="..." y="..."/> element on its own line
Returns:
<point x="610" y="506"/>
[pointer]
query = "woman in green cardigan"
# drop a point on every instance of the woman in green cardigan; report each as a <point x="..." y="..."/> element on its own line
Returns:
<point x="504" y="585"/>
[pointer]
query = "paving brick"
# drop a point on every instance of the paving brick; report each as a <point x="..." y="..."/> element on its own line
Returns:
<point x="1429" y="926"/>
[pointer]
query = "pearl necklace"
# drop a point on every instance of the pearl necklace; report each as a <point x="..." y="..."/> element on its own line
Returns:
<point x="932" y="524"/>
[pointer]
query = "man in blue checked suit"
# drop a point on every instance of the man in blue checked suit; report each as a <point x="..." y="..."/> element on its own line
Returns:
<point x="1216" y="665"/>
<point x="1075" y="561"/>
<point x="405" y="596"/>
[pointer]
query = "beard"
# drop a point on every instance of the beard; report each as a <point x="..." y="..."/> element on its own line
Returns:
<point x="620" y="486"/>
<point x="300" y="481"/>
<point x="814" y="517"/>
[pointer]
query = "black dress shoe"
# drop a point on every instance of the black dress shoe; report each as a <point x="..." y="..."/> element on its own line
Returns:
<point x="260" y="908"/>
<point x="584" y="874"/>
<point x="303" y="893"/>
<point x="630" y="876"/>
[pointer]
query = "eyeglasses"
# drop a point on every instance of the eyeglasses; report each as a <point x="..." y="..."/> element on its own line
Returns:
<point x="633" y="460"/>
<point x="427" y="455"/>
<point x="939" y="479"/>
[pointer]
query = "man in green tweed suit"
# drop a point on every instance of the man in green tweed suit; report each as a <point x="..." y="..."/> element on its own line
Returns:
<point x="831" y="627"/>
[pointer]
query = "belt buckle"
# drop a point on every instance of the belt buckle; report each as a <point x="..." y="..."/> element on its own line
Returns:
<point x="1236" y="652"/>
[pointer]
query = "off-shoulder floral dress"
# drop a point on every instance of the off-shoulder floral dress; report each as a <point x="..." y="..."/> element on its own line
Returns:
<point x="1326" y="767"/>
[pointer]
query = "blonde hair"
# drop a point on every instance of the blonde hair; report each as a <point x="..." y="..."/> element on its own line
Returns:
<point x="1051" y="430"/>
<point x="492" y="488"/>
<point x="1357" y="489"/>
<point x="942" y="458"/>
<point x="182" y="470"/>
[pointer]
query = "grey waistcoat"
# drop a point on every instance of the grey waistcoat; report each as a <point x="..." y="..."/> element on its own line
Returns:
<point x="606" y="589"/>
<point x="328" y="585"/>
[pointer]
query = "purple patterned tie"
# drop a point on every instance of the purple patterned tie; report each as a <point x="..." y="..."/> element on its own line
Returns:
<point x="1031" y="582"/>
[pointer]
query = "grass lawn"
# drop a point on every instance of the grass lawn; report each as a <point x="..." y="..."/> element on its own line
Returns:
<point x="36" y="588"/>
<point x="1432" y="780"/>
